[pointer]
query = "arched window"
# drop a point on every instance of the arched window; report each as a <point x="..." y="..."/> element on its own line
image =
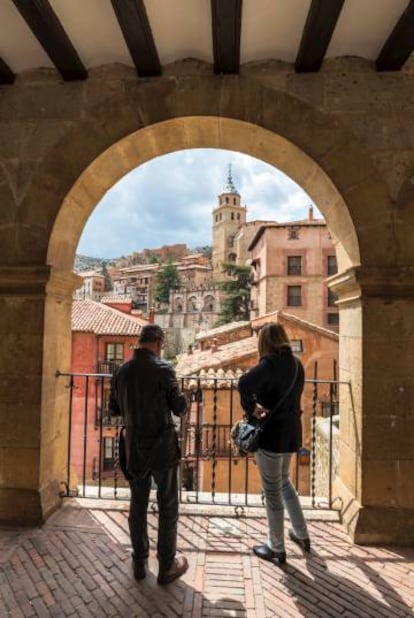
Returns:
<point x="208" y="303"/>
<point x="192" y="303"/>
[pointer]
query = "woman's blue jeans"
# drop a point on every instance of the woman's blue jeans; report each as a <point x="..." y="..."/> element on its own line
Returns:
<point x="279" y="493"/>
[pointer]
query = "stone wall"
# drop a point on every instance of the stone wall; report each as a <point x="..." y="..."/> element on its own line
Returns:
<point x="344" y="134"/>
<point x="323" y="476"/>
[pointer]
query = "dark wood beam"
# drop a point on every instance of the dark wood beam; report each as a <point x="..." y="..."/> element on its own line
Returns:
<point x="135" y="26"/>
<point x="317" y="33"/>
<point x="226" y="21"/>
<point x="46" y="27"/>
<point x="399" y="44"/>
<point x="6" y="74"/>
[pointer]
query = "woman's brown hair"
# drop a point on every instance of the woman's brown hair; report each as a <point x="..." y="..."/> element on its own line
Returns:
<point x="272" y="337"/>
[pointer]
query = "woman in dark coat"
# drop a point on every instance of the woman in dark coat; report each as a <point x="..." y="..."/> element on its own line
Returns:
<point x="278" y="378"/>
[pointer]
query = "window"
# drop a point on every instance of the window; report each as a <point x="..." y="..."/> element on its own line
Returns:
<point x="294" y="295"/>
<point x="294" y="265"/>
<point x="114" y="352"/>
<point x="108" y="453"/>
<point x="234" y="200"/>
<point x="332" y="298"/>
<point x="296" y="345"/>
<point x="227" y="200"/>
<point x="238" y="216"/>
<point x="232" y="216"/>
<point x="332" y="266"/>
<point x="332" y="319"/>
<point x="293" y="233"/>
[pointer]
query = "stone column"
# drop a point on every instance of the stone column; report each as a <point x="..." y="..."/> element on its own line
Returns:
<point x="36" y="341"/>
<point x="375" y="487"/>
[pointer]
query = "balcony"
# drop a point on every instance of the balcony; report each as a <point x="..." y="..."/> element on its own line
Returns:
<point x="78" y="564"/>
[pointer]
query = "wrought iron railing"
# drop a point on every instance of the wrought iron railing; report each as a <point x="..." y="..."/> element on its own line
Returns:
<point x="210" y="472"/>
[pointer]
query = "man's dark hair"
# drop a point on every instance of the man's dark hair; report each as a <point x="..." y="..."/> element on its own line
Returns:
<point x="151" y="333"/>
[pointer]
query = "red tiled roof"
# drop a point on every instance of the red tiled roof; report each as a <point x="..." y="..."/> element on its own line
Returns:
<point x="116" y="299"/>
<point x="92" y="317"/>
<point x="233" y="352"/>
<point x="275" y="316"/>
<point x="219" y="330"/>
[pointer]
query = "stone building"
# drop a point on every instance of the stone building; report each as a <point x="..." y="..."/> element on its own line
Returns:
<point x="228" y="216"/>
<point x="93" y="286"/>
<point x="137" y="282"/>
<point x="327" y="100"/>
<point x="291" y="263"/>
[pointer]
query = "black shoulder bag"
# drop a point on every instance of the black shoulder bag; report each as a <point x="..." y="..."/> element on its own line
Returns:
<point x="245" y="434"/>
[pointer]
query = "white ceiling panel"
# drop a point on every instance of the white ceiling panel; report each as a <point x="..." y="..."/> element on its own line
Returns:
<point x="94" y="31"/>
<point x="181" y="29"/>
<point x="363" y="27"/>
<point x="18" y="46"/>
<point x="272" y="29"/>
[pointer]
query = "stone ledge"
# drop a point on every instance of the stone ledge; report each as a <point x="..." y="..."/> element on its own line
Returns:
<point x="374" y="525"/>
<point x="388" y="282"/>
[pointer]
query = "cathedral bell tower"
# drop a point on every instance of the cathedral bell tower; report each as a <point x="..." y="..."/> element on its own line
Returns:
<point x="228" y="217"/>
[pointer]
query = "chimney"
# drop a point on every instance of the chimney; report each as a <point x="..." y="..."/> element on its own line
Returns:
<point x="310" y="213"/>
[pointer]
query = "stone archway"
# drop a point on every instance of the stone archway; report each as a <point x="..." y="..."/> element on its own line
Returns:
<point x="315" y="149"/>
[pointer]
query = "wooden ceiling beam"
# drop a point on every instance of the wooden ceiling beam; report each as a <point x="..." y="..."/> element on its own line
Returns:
<point x="133" y="21"/>
<point x="6" y="74"/>
<point x="317" y="33"/>
<point x="226" y="23"/>
<point x="46" y="27"/>
<point x="400" y="43"/>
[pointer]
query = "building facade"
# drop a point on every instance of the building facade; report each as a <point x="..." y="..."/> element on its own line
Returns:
<point x="102" y="339"/>
<point x="93" y="286"/>
<point x="291" y="263"/>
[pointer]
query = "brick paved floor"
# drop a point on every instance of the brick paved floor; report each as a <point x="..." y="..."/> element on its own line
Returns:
<point x="78" y="564"/>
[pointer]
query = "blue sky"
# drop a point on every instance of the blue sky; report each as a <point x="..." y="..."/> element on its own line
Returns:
<point x="170" y="199"/>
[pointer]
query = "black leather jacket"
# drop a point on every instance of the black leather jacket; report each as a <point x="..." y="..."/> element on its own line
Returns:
<point x="266" y="383"/>
<point x="144" y="391"/>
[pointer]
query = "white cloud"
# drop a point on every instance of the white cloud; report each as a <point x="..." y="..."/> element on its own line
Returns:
<point x="170" y="200"/>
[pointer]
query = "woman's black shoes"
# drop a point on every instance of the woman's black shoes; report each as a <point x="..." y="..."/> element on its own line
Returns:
<point x="265" y="553"/>
<point x="305" y="544"/>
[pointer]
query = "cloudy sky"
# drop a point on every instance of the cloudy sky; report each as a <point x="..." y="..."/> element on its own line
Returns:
<point x="170" y="200"/>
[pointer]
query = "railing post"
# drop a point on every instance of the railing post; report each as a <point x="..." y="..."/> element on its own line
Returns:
<point x="313" y="458"/>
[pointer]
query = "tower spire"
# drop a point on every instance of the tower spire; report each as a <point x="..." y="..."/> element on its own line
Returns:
<point x="230" y="188"/>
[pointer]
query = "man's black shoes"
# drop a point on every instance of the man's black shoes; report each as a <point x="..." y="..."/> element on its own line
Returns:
<point x="176" y="569"/>
<point x="305" y="544"/>
<point x="265" y="553"/>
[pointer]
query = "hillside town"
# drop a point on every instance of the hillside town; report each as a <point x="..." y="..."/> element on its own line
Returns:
<point x="288" y="265"/>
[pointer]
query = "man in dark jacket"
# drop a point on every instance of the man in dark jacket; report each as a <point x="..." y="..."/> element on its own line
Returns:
<point x="144" y="391"/>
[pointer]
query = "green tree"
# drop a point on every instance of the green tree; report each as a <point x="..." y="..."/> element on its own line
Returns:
<point x="235" y="302"/>
<point x="108" y="281"/>
<point x="167" y="279"/>
<point x="153" y="259"/>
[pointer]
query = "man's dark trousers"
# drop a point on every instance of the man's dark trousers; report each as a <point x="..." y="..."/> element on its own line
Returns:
<point x="167" y="498"/>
